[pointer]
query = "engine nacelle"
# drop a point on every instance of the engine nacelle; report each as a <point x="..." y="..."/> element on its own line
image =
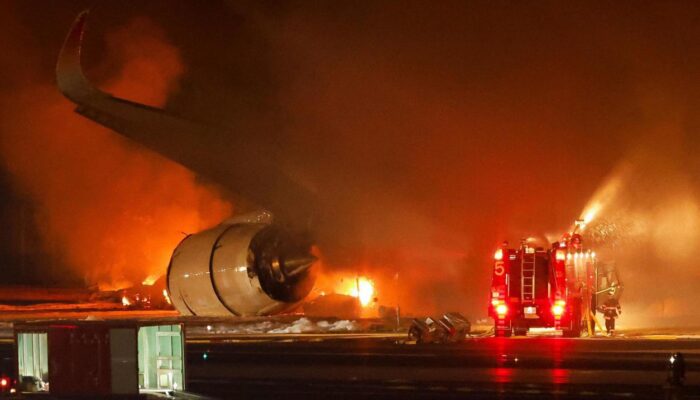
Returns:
<point x="244" y="266"/>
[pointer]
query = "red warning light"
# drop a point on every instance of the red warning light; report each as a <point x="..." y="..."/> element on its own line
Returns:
<point x="501" y="310"/>
<point x="499" y="255"/>
<point x="558" y="308"/>
<point x="3" y="382"/>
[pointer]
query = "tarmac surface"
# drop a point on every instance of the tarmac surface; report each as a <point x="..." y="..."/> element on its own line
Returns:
<point x="533" y="367"/>
<point x="230" y="360"/>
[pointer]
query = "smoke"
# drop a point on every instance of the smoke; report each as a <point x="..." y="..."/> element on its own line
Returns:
<point x="433" y="139"/>
<point x="114" y="210"/>
<point x="438" y="132"/>
<point x="431" y="134"/>
<point x="646" y="221"/>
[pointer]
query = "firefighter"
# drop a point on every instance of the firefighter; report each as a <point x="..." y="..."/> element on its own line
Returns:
<point x="611" y="310"/>
<point x="576" y="242"/>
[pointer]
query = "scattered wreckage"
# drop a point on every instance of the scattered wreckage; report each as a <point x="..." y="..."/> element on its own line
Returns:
<point x="450" y="328"/>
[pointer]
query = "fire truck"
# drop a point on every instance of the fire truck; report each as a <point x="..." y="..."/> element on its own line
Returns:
<point x="559" y="287"/>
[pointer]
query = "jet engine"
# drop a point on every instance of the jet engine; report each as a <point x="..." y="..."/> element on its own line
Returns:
<point x="244" y="266"/>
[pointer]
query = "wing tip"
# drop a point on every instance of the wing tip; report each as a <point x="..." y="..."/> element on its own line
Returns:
<point x="69" y="73"/>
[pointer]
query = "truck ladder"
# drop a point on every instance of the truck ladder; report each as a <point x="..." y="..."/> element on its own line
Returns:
<point x="527" y="281"/>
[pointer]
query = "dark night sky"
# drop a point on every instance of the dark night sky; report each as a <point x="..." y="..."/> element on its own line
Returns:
<point x="438" y="129"/>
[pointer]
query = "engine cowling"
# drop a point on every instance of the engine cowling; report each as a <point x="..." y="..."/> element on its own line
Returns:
<point x="244" y="266"/>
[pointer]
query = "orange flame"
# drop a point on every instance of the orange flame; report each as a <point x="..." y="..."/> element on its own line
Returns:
<point x="92" y="186"/>
<point x="150" y="280"/>
<point x="360" y="287"/>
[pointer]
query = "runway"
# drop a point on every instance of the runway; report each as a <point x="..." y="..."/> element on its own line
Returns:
<point x="476" y="368"/>
<point x="224" y="364"/>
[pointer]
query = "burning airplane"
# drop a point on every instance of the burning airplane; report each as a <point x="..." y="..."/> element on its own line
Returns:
<point x="254" y="264"/>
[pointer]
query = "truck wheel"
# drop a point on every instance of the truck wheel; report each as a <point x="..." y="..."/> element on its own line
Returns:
<point x="503" y="332"/>
<point x="574" y="330"/>
<point x="520" y="332"/>
<point x="571" y="333"/>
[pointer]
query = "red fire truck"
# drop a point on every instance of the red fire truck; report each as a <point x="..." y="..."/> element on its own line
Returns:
<point x="551" y="288"/>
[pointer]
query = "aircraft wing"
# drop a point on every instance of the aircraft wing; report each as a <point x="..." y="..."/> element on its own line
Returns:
<point x="243" y="170"/>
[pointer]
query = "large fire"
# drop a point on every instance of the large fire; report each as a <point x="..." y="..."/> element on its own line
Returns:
<point x="359" y="287"/>
<point x="363" y="290"/>
<point x="90" y="186"/>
